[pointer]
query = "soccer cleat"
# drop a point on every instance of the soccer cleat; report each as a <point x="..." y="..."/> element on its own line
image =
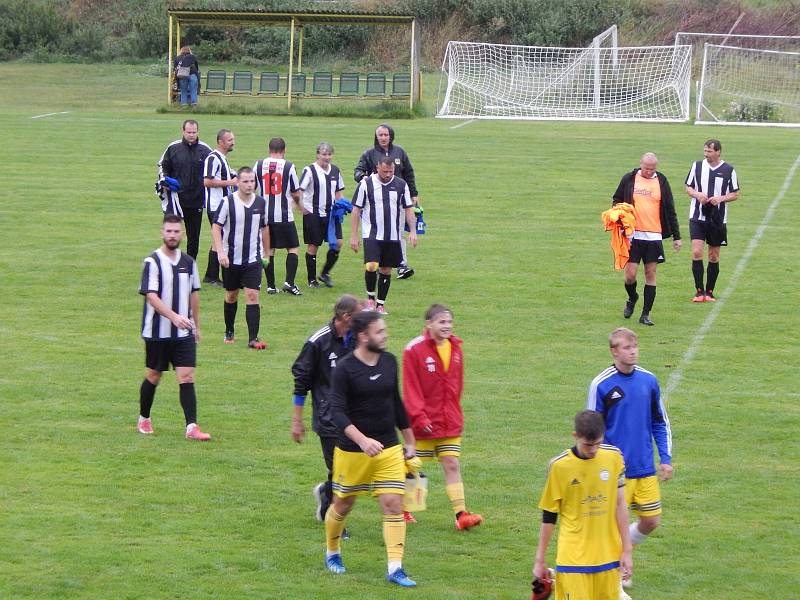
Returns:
<point x="228" y="339"/>
<point x="314" y="284"/>
<point x="318" y="490"/>
<point x="145" y="426"/>
<point x="404" y="272"/>
<point x="399" y="577"/>
<point x="629" y="304"/>
<point x="408" y="517"/>
<point x="334" y="564"/>
<point x="212" y="281"/>
<point x="345" y="534"/>
<point x="271" y="291"/>
<point x="710" y="296"/>
<point x="467" y="520"/>
<point x="645" y="320"/>
<point x="194" y="433"/>
<point x="699" y="296"/>
<point x="370" y="305"/>
<point x="627" y="583"/>
<point x="291" y="289"/>
<point x="257" y="344"/>
<point x="381" y="310"/>
<point x="623" y="595"/>
<point x="326" y="279"/>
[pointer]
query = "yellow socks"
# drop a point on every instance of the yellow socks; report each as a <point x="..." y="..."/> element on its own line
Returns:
<point x="455" y="491"/>
<point x="394" y="536"/>
<point x="334" y="524"/>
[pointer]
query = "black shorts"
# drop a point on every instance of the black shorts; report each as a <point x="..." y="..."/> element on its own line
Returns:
<point x="711" y="233"/>
<point x="386" y="254"/>
<point x="646" y="251"/>
<point x="283" y="235"/>
<point x="237" y="277"/>
<point x="159" y="354"/>
<point x="315" y="230"/>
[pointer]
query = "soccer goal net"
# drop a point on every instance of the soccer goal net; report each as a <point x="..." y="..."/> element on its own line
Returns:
<point x="496" y="81"/>
<point x="749" y="86"/>
<point x="698" y="40"/>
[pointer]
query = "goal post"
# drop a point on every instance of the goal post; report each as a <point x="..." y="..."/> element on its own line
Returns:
<point x="747" y="86"/>
<point x="499" y="81"/>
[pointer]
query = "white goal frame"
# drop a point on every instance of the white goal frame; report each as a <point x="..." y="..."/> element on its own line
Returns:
<point x="501" y="81"/>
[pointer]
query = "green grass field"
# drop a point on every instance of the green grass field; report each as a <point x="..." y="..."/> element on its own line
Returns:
<point x="91" y="509"/>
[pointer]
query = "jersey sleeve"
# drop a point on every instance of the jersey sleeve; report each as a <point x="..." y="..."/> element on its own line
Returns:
<point x="340" y="183"/>
<point x="662" y="433"/>
<point x="305" y="178"/>
<point x="195" y="277"/>
<point x="221" y="216"/>
<point x="734" y="181"/>
<point x="149" y="281"/>
<point x="400" y="415"/>
<point x="294" y="183"/>
<point x="550" y="499"/>
<point x="593" y="399"/>
<point x="361" y="194"/>
<point x="690" y="180"/>
<point x="407" y="202"/>
<point x="213" y="167"/>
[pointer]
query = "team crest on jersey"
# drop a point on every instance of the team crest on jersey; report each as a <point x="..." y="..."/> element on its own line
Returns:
<point x="397" y="161"/>
<point x="332" y="357"/>
<point x="430" y="363"/>
<point x="604" y="475"/>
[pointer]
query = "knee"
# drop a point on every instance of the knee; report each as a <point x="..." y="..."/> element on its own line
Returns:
<point x="251" y="296"/>
<point x="385" y="270"/>
<point x="450" y="465"/>
<point x="312" y="250"/>
<point x="185" y="376"/>
<point x="371" y="267"/>
<point x="154" y="377"/>
<point x="648" y="524"/>
<point x="392" y="504"/>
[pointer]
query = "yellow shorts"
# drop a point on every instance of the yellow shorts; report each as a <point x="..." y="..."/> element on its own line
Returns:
<point x="588" y="586"/>
<point x="643" y="496"/>
<point x="356" y="474"/>
<point x="438" y="447"/>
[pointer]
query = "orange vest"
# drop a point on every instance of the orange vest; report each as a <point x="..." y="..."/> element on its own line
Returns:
<point x="621" y="221"/>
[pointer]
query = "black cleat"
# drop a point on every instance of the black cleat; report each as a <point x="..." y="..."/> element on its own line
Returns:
<point x="314" y="284"/>
<point x="271" y="291"/>
<point x="645" y="320"/>
<point x="326" y="279"/>
<point x="404" y="272"/>
<point x="629" y="305"/>
<point x="291" y="289"/>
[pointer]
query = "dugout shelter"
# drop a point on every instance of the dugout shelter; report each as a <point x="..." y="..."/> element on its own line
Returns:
<point x="180" y="18"/>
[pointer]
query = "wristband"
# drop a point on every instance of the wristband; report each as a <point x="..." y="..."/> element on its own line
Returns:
<point x="298" y="400"/>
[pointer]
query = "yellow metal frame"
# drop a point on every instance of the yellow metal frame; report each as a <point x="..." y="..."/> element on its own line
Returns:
<point x="294" y="21"/>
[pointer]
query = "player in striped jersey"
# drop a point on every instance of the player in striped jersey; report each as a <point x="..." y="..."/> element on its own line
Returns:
<point x="629" y="398"/>
<point x="241" y="239"/>
<point x="219" y="180"/>
<point x="322" y="185"/>
<point x="711" y="183"/>
<point x="170" y="325"/>
<point x="380" y="205"/>
<point x="368" y="459"/>
<point x="277" y="182"/>
<point x="585" y="487"/>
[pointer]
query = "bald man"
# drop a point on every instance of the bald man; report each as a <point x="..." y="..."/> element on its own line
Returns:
<point x="648" y="191"/>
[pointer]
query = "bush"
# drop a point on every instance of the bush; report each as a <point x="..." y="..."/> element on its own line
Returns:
<point x="752" y="112"/>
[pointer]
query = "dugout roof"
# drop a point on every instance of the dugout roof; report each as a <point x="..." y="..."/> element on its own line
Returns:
<point x="295" y="21"/>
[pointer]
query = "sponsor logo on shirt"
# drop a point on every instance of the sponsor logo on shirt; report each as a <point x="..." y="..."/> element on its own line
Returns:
<point x="374" y="377"/>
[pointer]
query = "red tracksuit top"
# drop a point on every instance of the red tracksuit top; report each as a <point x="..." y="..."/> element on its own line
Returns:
<point x="431" y="396"/>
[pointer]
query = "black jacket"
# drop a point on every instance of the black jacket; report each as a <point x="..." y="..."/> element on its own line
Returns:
<point x="184" y="162"/>
<point x="669" y="220"/>
<point x="312" y="371"/>
<point x="368" y="163"/>
<point x="188" y="60"/>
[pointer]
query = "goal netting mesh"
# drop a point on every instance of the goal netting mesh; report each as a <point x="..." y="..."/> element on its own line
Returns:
<point x="497" y="81"/>
<point x="697" y="40"/>
<point x="749" y="86"/>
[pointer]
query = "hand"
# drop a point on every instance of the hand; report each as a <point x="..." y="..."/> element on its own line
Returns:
<point x="540" y="570"/>
<point x="371" y="447"/>
<point x="298" y="430"/>
<point x="354" y="243"/>
<point x="182" y="322"/>
<point x="412" y="238"/>
<point x="677" y="244"/>
<point x="626" y="564"/>
<point x="715" y="200"/>
<point x="224" y="261"/>
<point x="701" y="197"/>
<point x="196" y="334"/>
<point x="666" y="472"/>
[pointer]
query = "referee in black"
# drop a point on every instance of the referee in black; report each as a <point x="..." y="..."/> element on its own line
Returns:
<point x="381" y="203"/>
<point x="241" y="240"/>
<point x="183" y="160"/>
<point x="312" y="372"/>
<point x="170" y="325"/>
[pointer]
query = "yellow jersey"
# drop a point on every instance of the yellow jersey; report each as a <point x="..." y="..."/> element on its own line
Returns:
<point x="583" y="491"/>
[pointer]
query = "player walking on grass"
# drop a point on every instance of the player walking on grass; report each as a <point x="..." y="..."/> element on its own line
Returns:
<point x="585" y="489"/>
<point x="629" y="399"/>
<point x="380" y="205"/>
<point x="277" y="182"/>
<point x="219" y="180"/>
<point x="241" y="239"/>
<point x="711" y="184"/>
<point x="322" y="185"/>
<point x="433" y="380"/>
<point x="654" y="209"/>
<point x="312" y="372"/>
<point x="368" y="459"/>
<point x="170" y="325"/>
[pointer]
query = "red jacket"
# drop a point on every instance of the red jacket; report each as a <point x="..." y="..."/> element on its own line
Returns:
<point x="431" y="396"/>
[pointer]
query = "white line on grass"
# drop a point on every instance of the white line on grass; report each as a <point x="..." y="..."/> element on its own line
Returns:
<point x="677" y="375"/>
<point x="464" y="123"/>
<point x="65" y="112"/>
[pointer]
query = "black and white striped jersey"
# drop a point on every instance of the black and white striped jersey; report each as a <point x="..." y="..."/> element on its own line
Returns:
<point x="241" y="228"/>
<point x="216" y="167"/>
<point x="382" y="208"/>
<point x="276" y="179"/>
<point x="712" y="182"/>
<point x="319" y="188"/>
<point x="174" y="282"/>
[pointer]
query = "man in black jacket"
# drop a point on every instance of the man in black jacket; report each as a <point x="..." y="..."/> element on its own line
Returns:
<point x="183" y="160"/>
<point x="649" y="193"/>
<point x="312" y="371"/>
<point x="368" y="164"/>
